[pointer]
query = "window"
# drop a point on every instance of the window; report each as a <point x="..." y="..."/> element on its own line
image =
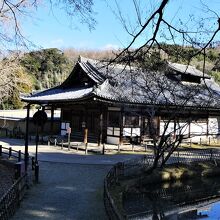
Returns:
<point x="131" y="120"/>
<point x="114" y="119"/>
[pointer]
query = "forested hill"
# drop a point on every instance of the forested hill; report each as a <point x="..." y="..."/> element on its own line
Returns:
<point x="47" y="68"/>
<point x="50" y="67"/>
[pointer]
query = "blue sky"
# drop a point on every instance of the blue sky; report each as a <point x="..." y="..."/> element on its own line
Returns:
<point x="52" y="28"/>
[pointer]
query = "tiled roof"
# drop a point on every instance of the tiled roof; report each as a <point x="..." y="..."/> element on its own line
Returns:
<point x="59" y="95"/>
<point x="120" y="83"/>
<point x="156" y="88"/>
<point x="187" y="69"/>
<point x="89" y="68"/>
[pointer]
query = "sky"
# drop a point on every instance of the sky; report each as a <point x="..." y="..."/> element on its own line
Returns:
<point x="52" y="27"/>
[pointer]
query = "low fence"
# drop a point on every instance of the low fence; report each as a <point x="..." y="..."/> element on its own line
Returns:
<point x="133" y="167"/>
<point x="11" y="153"/>
<point x="188" y="156"/>
<point x="12" y="198"/>
<point x="120" y="170"/>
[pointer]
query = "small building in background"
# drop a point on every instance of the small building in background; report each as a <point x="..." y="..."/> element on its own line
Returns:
<point x="13" y="123"/>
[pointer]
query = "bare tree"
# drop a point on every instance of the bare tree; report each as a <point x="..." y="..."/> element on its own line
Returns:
<point x="151" y="28"/>
<point x="12" y="14"/>
<point x="13" y="79"/>
<point x="154" y="27"/>
<point x="176" y="95"/>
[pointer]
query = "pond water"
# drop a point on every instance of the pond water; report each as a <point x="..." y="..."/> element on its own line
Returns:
<point x="211" y="212"/>
<point x="179" y="200"/>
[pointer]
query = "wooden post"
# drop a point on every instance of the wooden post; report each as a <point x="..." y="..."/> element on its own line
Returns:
<point x="103" y="149"/>
<point x="86" y="148"/>
<point x="86" y="139"/>
<point x="68" y="131"/>
<point x="26" y="137"/>
<point x="68" y="141"/>
<point x="62" y="145"/>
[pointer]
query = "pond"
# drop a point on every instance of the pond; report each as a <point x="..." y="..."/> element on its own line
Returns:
<point x="179" y="200"/>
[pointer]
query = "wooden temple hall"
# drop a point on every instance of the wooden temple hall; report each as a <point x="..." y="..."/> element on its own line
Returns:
<point x="117" y="103"/>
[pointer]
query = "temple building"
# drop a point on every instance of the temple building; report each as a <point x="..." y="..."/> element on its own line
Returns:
<point x="117" y="103"/>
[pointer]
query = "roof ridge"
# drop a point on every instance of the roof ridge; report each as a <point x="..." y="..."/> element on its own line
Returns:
<point x="83" y="59"/>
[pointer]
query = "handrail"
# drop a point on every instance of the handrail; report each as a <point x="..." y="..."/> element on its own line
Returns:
<point x="12" y="153"/>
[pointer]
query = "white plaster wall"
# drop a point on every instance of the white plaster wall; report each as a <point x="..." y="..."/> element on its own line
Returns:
<point x="198" y="128"/>
<point x="213" y="126"/>
<point x="183" y="126"/>
<point x="112" y="140"/>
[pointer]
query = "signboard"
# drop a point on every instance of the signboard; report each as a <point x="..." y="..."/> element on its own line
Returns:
<point x="40" y="118"/>
<point x="64" y="126"/>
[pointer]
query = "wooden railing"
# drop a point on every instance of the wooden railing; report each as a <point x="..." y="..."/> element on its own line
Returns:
<point x="12" y="198"/>
<point x="10" y="153"/>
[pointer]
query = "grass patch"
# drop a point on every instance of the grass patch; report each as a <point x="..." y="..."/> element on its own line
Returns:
<point x="175" y="172"/>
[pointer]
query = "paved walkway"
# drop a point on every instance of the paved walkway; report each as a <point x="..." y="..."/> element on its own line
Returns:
<point x="67" y="192"/>
<point x="55" y="154"/>
<point x="71" y="185"/>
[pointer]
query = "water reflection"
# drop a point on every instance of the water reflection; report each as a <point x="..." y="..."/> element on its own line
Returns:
<point x="180" y="200"/>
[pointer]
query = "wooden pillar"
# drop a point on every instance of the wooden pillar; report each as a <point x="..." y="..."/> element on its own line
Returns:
<point x="121" y="126"/>
<point x="158" y="125"/>
<point x="207" y="126"/>
<point x="26" y="138"/>
<point x="52" y="119"/>
<point x="84" y="115"/>
<point x="189" y="135"/>
<point x="104" y="125"/>
<point x="86" y="139"/>
<point x="100" y="137"/>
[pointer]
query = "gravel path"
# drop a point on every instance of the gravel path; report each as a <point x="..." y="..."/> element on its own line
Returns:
<point x="67" y="192"/>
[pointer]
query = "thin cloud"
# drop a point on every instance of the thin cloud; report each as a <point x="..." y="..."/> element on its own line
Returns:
<point x="110" y="47"/>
